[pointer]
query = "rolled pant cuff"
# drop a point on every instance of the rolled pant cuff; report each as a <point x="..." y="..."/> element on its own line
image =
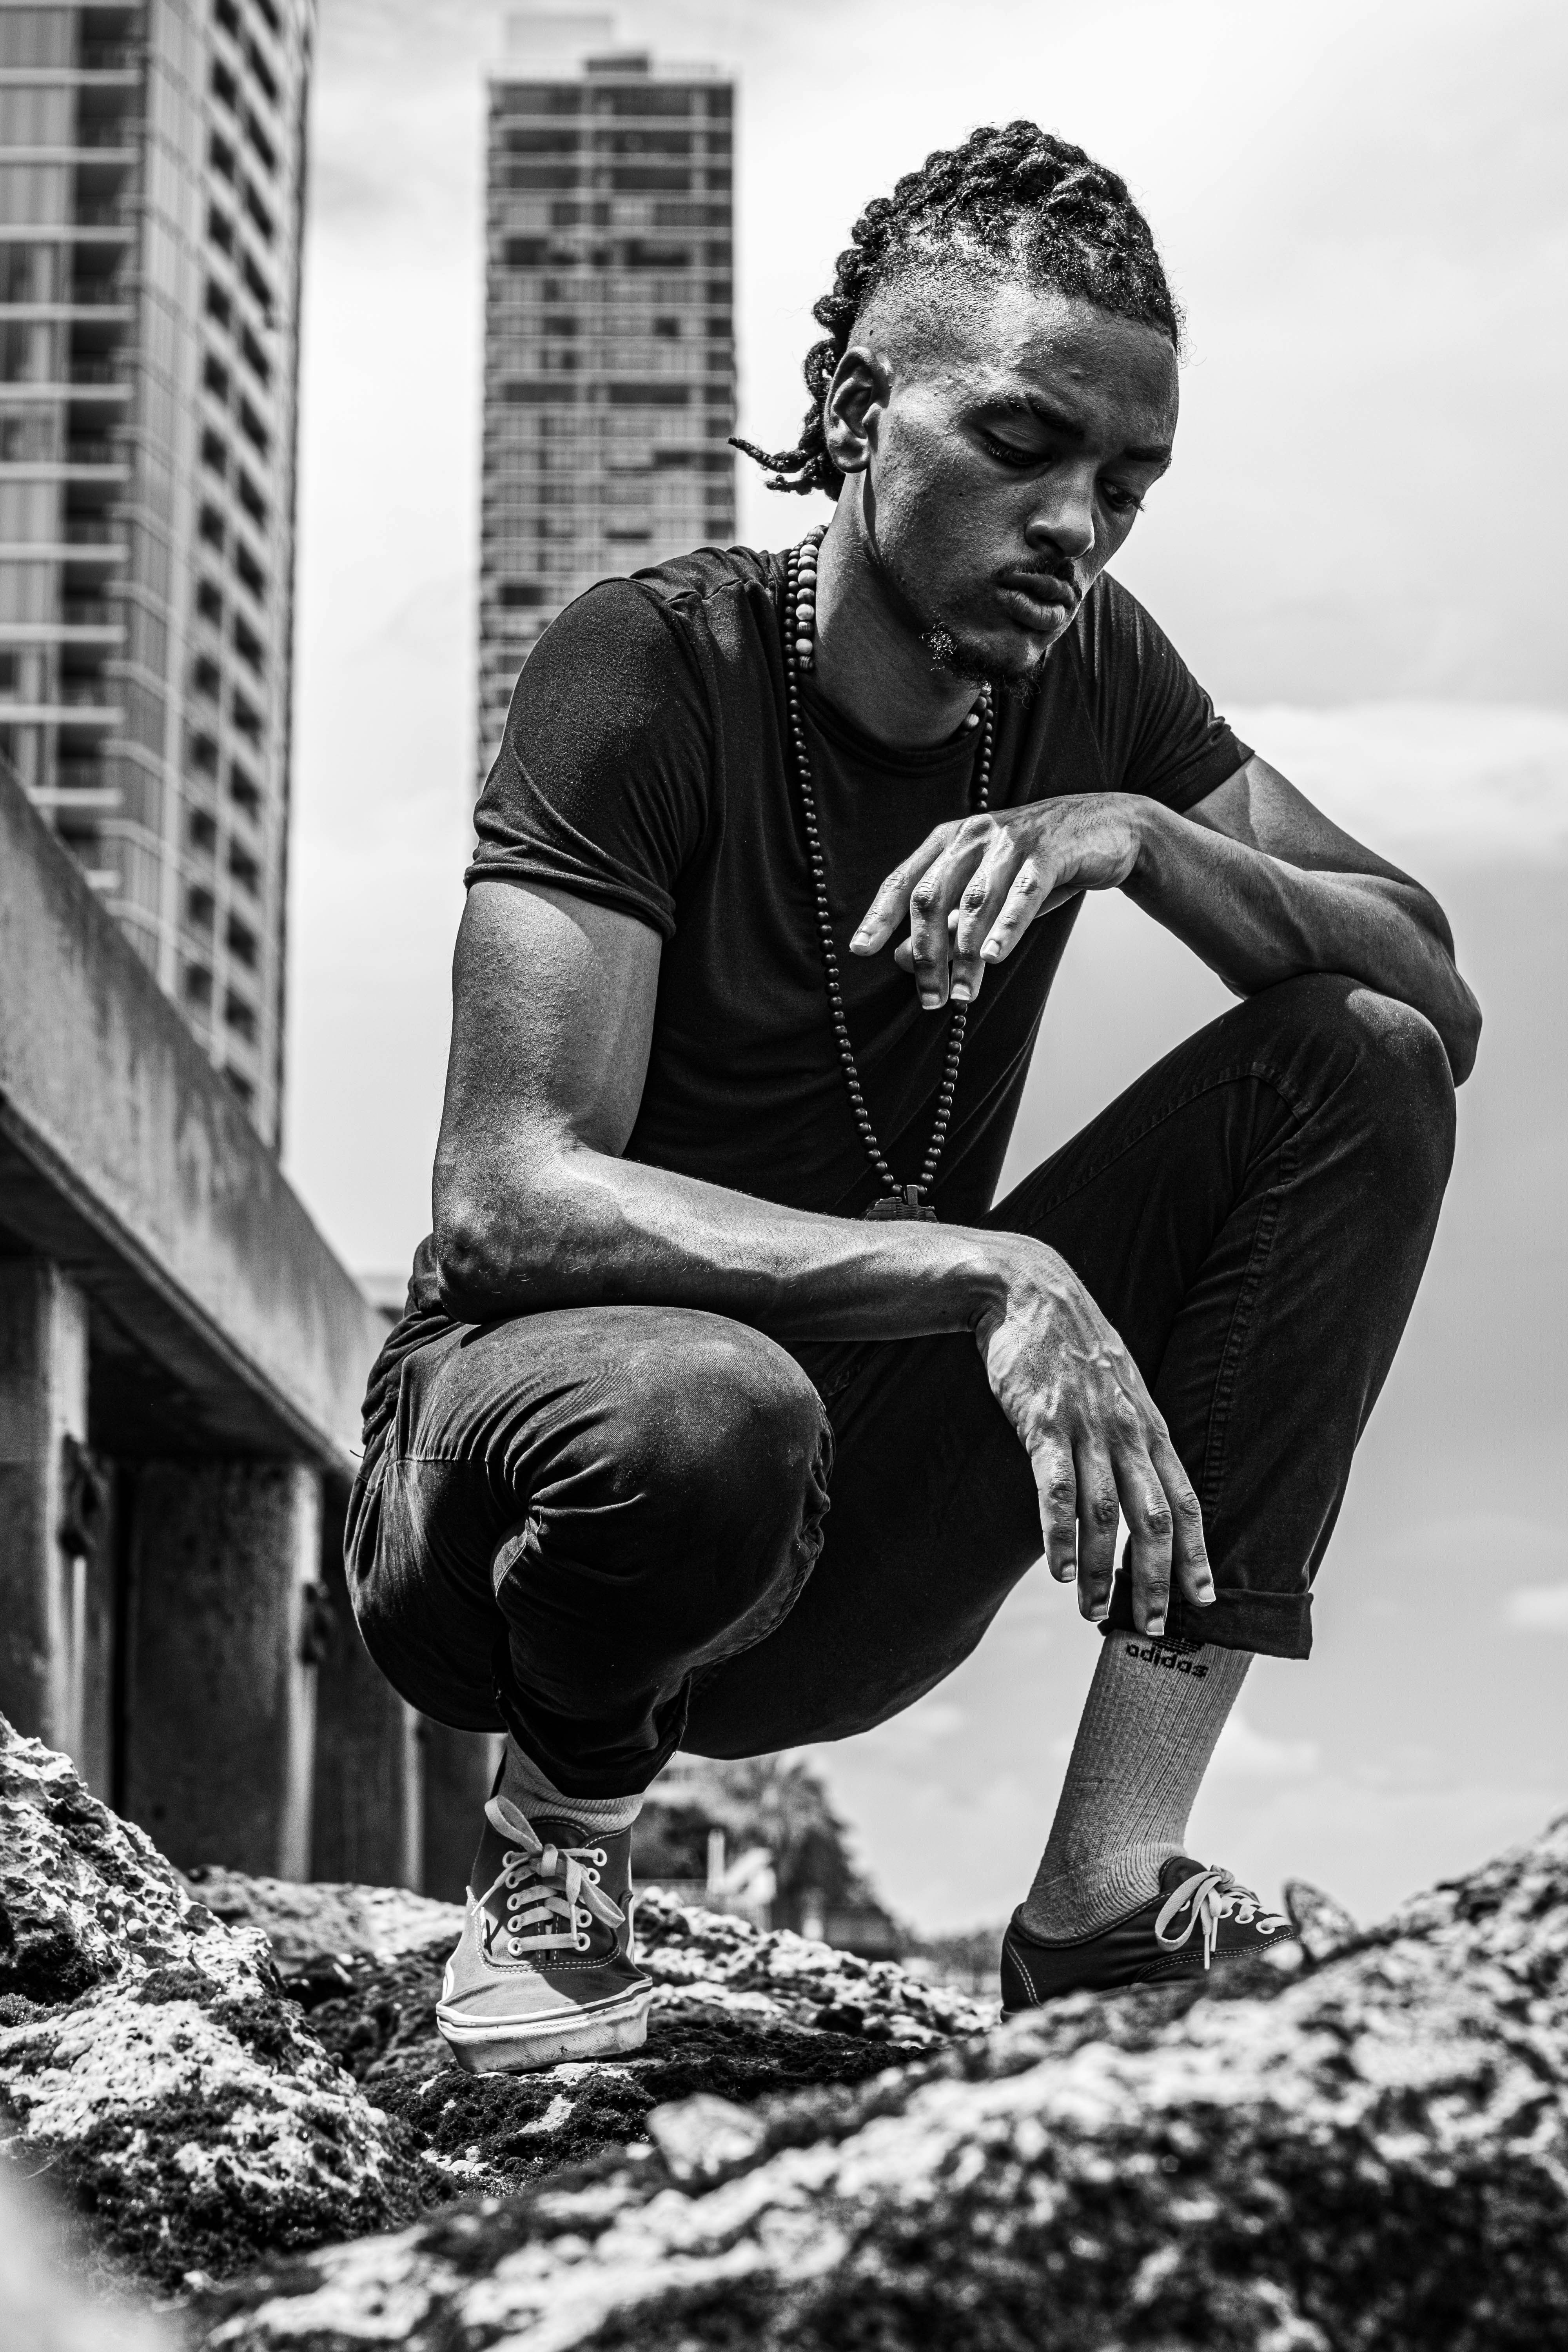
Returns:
<point x="1271" y="1624"/>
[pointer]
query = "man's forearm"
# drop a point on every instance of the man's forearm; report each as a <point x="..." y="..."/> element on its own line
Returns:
<point x="1255" y="919"/>
<point x="559" y="1225"/>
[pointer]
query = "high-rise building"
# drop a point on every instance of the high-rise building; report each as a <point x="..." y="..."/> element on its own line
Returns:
<point x="151" y="181"/>
<point x="609" y="328"/>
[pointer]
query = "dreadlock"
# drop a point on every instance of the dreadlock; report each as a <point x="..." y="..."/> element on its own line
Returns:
<point x="1019" y="199"/>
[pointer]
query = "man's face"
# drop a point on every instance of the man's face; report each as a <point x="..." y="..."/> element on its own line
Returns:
<point x="1016" y="434"/>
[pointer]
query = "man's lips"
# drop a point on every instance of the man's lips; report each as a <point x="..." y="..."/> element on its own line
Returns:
<point x="1042" y="593"/>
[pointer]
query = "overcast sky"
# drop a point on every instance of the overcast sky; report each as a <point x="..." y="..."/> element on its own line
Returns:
<point x="1360" y="551"/>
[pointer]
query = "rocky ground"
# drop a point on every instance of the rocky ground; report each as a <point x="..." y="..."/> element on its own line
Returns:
<point x="1369" y="2156"/>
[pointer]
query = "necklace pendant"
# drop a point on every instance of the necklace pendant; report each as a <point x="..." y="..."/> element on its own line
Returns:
<point x="900" y="1207"/>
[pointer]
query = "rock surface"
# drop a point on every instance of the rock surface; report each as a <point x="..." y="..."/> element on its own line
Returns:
<point x="149" y="2061"/>
<point x="1370" y="2156"/>
<point x="251" y="2065"/>
<point x="736" y="2013"/>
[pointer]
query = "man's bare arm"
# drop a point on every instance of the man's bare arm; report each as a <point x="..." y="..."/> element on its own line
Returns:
<point x="1254" y="879"/>
<point x="1270" y="888"/>
<point x="535" y="1207"/>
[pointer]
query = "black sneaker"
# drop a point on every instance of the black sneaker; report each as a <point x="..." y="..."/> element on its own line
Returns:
<point x="1199" y="1918"/>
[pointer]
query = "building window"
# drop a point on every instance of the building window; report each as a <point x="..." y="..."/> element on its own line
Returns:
<point x="220" y="155"/>
<point x="255" y="358"/>
<point x="249" y="646"/>
<point x="245" y="792"/>
<point x="200" y="909"/>
<point x="241" y="943"/>
<point x="219" y="306"/>
<point x="258" y="213"/>
<point x="211" y="528"/>
<point x="202" y="831"/>
<point x="240" y="1016"/>
<point x="215" y="453"/>
<point x="249" y="571"/>
<point x="245" y="868"/>
<point x="206" y="678"/>
<point x="215" y="375"/>
<point x="220" y="229"/>
<point x="198" y="984"/>
<point x="261" y="143"/>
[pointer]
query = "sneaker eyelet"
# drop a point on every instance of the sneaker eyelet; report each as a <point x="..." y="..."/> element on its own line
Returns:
<point x="593" y="1875"/>
<point x="600" y="1857"/>
<point x="581" y="1943"/>
<point x="515" y="1949"/>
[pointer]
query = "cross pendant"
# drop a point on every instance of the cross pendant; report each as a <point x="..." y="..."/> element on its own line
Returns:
<point x="900" y="1205"/>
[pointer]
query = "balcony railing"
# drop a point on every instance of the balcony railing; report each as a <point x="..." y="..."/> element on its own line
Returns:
<point x="95" y="293"/>
<point x="89" y="613"/>
<point x="109" y="56"/>
<point x="119" y="131"/>
<point x="94" y="452"/>
<point x="97" y="371"/>
<point x="90" y="532"/>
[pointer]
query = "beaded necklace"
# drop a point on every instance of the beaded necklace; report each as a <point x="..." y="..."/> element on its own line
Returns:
<point x="800" y="637"/>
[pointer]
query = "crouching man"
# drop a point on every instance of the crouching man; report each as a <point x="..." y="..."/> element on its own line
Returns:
<point x="776" y="867"/>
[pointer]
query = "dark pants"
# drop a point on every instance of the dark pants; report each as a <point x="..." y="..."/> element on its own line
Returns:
<point x="606" y="1527"/>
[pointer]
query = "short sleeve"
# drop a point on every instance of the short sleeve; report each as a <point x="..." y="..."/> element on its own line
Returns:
<point x="1158" y="732"/>
<point x="601" y="783"/>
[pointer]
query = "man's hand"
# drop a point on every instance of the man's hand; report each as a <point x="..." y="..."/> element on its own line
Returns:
<point x="1096" y="1441"/>
<point x="973" y="887"/>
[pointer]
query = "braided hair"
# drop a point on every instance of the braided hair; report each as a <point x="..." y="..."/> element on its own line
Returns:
<point x="1020" y="200"/>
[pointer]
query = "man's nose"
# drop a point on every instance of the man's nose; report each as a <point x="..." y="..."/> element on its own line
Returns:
<point x="1064" y="519"/>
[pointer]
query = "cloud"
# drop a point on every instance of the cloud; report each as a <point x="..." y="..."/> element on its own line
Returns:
<point x="1537" y="1609"/>
<point x="1244" y="1753"/>
<point x="1490" y="779"/>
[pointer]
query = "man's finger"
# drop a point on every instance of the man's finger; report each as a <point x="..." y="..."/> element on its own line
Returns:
<point x="931" y="901"/>
<point x="1150" y="1524"/>
<point x="1098" y="1509"/>
<point x="1189" y="1552"/>
<point x="1027" y="896"/>
<point x="1058" y="1489"/>
<point x="979" y="904"/>
<point x="884" y="916"/>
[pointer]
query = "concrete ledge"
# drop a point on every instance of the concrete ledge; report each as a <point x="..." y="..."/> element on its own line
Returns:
<point x="223" y="1321"/>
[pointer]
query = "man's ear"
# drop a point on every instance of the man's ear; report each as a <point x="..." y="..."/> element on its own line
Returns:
<point x="856" y="399"/>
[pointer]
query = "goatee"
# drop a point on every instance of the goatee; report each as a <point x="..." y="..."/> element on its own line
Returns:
<point x="950" y="654"/>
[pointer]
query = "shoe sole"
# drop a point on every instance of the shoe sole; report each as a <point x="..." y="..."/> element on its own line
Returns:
<point x="509" y="2046"/>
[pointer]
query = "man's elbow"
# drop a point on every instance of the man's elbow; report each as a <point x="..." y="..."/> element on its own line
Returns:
<point x="1462" y="1035"/>
<point x="500" y="1254"/>
<point x="475" y="1268"/>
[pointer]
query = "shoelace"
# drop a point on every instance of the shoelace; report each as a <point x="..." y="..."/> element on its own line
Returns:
<point x="1214" y="1896"/>
<point x="543" y="1883"/>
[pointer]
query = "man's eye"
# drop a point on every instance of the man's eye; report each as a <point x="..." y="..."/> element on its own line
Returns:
<point x="1009" y="453"/>
<point x="1120" y="500"/>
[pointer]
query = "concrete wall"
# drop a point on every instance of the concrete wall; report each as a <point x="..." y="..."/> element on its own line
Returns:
<point x="125" y="1160"/>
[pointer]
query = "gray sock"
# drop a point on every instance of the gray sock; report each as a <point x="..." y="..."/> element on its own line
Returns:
<point x="532" y="1791"/>
<point x="1149" y="1726"/>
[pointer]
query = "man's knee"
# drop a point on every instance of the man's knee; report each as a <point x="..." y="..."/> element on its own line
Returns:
<point x="1394" y="1066"/>
<point x="1410" y="1088"/>
<point x="719" y="1429"/>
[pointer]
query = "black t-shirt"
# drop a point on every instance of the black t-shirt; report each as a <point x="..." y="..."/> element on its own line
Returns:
<point x="644" y="766"/>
